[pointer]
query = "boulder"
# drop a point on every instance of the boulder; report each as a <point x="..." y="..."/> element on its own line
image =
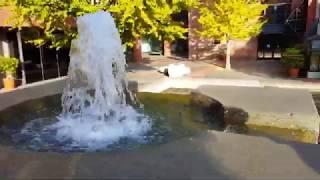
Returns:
<point x="235" y="116"/>
<point x="212" y="110"/>
<point x="230" y="119"/>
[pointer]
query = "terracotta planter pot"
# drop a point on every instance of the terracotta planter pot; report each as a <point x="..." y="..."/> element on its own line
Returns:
<point x="294" y="72"/>
<point x="8" y="83"/>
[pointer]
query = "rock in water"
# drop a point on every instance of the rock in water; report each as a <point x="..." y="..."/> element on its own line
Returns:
<point x="213" y="110"/>
<point x="235" y="116"/>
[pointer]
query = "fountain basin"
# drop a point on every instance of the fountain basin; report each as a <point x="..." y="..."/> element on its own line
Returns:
<point x="38" y="105"/>
<point x="166" y="104"/>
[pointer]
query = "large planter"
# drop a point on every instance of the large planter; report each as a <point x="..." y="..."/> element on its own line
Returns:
<point x="8" y="66"/>
<point x="8" y="83"/>
<point x="293" y="72"/>
<point x="294" y="58"/>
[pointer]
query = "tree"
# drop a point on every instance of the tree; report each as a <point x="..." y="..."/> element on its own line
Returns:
<point x="48" y="16"/>
<point x="5" y="2"/>
<point x="226" y="20"/>
<point x="47" y="19"/>
<point x="149" y="18"/>
<point x="135" y="19"/>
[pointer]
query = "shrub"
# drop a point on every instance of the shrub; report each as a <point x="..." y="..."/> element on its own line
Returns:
<point x="293" y="57"/>
<point x="8" y="65"/>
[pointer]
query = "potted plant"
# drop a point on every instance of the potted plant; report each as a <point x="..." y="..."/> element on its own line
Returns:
<point x="293" y="58"/>
<point x="9" y="67"/>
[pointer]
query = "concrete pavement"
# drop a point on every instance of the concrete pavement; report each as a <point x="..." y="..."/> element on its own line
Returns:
<point x="266" y="73"/>
<point x="211" y="155"/>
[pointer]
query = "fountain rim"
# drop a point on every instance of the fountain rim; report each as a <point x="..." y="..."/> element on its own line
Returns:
<point x="39" y="90"/>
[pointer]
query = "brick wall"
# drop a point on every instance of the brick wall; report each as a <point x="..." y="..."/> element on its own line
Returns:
<point x="200" y="48"/>
<point x="311" y="17"/>
<point x="241" y="49"/>
<point x="296" y="3"/>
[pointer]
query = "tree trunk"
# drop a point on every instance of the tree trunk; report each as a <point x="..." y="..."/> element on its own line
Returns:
<point x="166" y="48"/>
<point x="137" y="52"/>
<point x="228" y="62"/>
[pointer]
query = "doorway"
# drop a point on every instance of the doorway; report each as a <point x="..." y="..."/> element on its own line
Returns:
<point x="270" y="46"/>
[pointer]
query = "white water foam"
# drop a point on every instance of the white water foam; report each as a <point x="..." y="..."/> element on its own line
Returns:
<point x="95" y="112"/>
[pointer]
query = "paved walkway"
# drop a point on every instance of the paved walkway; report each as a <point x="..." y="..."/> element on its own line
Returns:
<point x="267" y="73"/>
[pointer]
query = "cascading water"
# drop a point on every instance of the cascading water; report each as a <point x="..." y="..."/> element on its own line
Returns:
<point x="95" y="113"/>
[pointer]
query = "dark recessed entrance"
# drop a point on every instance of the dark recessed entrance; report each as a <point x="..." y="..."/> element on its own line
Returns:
<point x="269" y="46"/>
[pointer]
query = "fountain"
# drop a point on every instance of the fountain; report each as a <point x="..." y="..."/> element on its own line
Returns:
<point x="95" y="113"/>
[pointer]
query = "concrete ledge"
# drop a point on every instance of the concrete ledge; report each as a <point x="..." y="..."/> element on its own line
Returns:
<point x="31" y="91"/>
<point x="38" y="90"/>
<point x="282" y="112"/>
